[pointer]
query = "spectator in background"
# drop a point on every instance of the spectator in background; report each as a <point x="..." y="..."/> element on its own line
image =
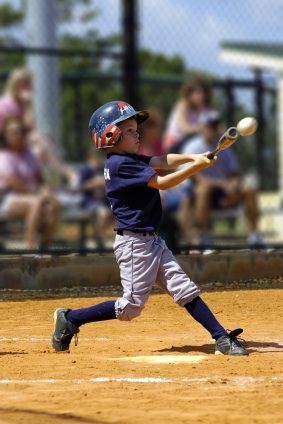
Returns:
<point x="92" y="188"/>
<point x="218" y="187"/>
<point x="24" y="194"/>
<point x="150" y="133"/>
<point x="196" y="98"/>
<point x="17" y="102"/>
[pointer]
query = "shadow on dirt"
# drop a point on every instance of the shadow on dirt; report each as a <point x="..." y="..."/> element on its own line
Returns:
<point x="206" y="348"/>
<point x="44" y="416"/>
<point x="209" y="348"/>
<point x="267" y="346"/>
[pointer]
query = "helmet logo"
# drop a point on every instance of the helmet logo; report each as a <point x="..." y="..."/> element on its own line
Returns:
<point x="125" y="108"/>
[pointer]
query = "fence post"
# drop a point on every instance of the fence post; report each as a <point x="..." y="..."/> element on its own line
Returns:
<point x="40" y="23"/>
<point x="78" y="102"/>
<point x="259" y="107"/>
<point x="130" y="53"/>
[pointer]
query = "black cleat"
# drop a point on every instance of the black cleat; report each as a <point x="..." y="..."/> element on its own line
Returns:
<point x="230" y="345"/>
<point x="64" y="331"/>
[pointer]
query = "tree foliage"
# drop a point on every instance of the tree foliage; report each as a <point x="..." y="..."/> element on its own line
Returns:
<point x="9" y="16"/>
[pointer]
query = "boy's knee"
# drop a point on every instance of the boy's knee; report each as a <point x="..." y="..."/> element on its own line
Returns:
<point x="129" y="312"/>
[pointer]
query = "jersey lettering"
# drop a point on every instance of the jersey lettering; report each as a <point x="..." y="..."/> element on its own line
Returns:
<point x="106" y="174"/>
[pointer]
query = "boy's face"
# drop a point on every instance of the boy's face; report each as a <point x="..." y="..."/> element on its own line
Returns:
<point x="129" y="142"/>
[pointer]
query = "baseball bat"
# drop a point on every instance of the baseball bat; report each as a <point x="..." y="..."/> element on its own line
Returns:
<point x="226" y="140"/>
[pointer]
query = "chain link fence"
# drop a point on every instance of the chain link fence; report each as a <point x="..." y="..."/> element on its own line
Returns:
<point x="144" y="51"/>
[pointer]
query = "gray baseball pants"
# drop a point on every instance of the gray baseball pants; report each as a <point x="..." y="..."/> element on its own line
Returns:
<point x="143" y="261"/>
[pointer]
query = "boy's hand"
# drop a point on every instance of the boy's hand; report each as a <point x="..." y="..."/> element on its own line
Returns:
<point x="203" y="160"/>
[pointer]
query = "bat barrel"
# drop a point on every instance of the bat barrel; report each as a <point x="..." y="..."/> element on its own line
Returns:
<point x="227" y="139"/>
<point x="232" y="133"/>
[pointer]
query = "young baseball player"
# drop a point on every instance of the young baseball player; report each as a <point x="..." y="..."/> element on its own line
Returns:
<point x="132" y="188"/>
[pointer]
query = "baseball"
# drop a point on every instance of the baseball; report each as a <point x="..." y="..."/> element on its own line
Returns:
<point x="247" y="126"/>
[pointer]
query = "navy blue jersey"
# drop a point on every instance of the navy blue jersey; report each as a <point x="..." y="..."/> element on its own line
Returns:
<point x="135" y="206"/>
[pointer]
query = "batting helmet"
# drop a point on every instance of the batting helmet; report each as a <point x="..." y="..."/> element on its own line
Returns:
<point x="102" y="125"/>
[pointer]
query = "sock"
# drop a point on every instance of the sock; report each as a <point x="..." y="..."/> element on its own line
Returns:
<point x="101" y="312"/>
<point x="201" y="313"/>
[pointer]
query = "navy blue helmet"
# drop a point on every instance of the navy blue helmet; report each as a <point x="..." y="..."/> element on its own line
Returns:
<point x="102" y="125"/>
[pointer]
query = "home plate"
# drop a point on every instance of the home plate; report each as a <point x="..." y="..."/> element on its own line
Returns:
<point x="163" y="359"/>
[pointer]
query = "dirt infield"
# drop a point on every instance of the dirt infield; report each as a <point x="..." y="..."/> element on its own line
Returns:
<point x="159" y="368"/>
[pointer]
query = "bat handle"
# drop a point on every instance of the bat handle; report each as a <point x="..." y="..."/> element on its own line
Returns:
<point x="211" y="155"/>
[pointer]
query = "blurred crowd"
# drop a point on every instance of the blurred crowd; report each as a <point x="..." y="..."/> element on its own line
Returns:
<point x="28" y="157"/>
<point x="194" y="126"/>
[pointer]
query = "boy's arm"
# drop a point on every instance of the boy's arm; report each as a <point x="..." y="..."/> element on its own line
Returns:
<point x="171" y="160"/>
<point x="171" y="180"/>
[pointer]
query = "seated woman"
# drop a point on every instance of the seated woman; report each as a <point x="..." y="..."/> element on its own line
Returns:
<point x="24" y="194"/>
<point x="17" y="100"/>
<point x="184" y="119"/>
